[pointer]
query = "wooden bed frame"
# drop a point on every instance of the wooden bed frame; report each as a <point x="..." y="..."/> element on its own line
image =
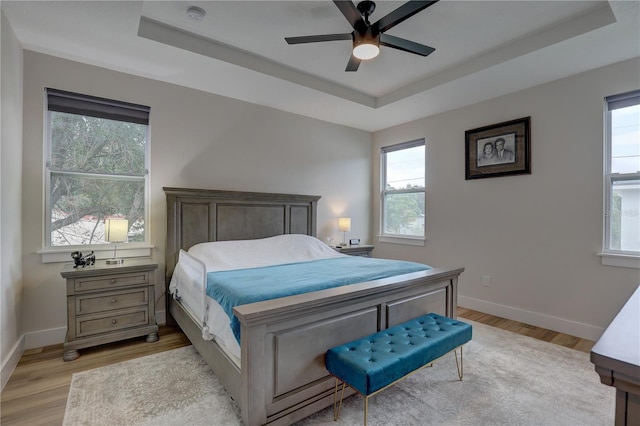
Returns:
<point x="282" y="377"/>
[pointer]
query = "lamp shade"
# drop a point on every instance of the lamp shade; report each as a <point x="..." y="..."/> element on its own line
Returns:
<point x="344" y="224"/>
<point x="116" y="230"/>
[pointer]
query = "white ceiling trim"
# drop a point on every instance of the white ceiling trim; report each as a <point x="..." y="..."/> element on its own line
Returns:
<point x="176" y="37"/>
<point x="588" y="22"/>
<point x="238" y="50"/>
<point x="169" y="35"/>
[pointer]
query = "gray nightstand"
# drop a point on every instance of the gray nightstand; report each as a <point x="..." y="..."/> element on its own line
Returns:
<point x="360" y="250"/>
<point x="107" y="303"/>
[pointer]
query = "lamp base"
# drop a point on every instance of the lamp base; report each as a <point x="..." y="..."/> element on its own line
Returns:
<point x="115" y="261"/>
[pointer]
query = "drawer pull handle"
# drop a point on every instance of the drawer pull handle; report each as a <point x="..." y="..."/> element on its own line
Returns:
<point x="114" y="321"/>
<point x="114" y="300"/>
<point x="113" y="281"/>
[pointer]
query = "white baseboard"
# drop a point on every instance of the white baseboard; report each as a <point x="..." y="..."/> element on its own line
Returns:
<point x="10" y="363"/>
<point x="573" y="328"/>
<point x="38" y="339"/>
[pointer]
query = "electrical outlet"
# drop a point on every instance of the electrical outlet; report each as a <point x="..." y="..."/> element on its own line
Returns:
<point x="486" y="281"/>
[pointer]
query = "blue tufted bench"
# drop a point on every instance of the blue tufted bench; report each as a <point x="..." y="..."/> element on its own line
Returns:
<point x="373" y="363"/>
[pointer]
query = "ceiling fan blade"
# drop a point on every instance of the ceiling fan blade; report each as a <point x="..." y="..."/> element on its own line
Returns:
<point x="318" y="38"/>
<point x="402" y="13"/>
<point x="350" y="12"/>
<point x="353" y="64"/>
<point x="405" y="45"/>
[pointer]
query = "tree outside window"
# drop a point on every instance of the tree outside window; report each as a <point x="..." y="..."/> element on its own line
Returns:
<point x="96" y="168"/>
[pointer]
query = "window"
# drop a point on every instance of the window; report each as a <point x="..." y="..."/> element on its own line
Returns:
<point x="622" y="174"/>
<point x="403" y="190"/>
<point x="96" y="168"/>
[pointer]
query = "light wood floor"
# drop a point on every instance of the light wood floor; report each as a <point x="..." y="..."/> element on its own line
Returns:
<point x="36" y="393"/>
<point x="561" y="339"/>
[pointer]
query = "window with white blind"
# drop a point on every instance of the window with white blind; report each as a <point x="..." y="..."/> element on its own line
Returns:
<point x="622" y="176"/>
<point x="403" y="192"/>
<point x="96" y="168"/>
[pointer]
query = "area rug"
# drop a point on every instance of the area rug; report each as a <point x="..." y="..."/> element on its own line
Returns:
<point x="509" y="379"/>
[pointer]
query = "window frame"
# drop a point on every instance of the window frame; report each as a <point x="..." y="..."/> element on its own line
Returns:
<point x="68" y="102"/>
<point x="615" y="257"/>
<point x="383" y="236"/>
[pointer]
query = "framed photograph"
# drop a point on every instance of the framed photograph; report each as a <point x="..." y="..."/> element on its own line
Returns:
<point x="498" y="150"/>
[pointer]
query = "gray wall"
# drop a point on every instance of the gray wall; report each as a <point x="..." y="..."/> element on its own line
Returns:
<point x="536" y="236"/>
<point x="10" y="200"/>
<point x="198" y="140"/>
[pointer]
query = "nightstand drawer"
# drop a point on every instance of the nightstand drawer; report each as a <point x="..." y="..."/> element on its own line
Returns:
<point x="86" y="326"/>
<point x="111" y="281"/>
<point x="92" y="303"/>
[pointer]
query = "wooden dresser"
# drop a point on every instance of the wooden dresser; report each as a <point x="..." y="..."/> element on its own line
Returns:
<point x="616" y="356"/>
<point x="107" y="303"/>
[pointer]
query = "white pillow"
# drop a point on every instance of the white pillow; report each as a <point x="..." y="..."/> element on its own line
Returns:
<point x="242" y="254"/>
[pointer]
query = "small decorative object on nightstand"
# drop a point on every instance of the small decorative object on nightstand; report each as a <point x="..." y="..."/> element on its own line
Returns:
<point x="107" y="303"/>
<point x="360" y="250"/>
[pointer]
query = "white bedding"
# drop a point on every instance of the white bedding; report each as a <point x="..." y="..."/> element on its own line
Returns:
<point x="242" y="254"/>
<point x="190" y="275"/>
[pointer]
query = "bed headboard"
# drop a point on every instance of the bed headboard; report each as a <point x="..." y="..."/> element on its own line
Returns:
<point x="202" y="215"/>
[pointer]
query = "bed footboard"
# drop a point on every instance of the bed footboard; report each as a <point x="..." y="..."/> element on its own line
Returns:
<point x="283" y="378"/>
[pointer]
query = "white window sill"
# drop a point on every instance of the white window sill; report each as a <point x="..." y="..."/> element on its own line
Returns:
<point x="409" y="241"/>
<point x="63" y="254"/>
<point x="623" y="260"/>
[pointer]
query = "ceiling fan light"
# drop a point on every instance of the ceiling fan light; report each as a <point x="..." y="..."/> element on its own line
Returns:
<point x="366" y="51"/>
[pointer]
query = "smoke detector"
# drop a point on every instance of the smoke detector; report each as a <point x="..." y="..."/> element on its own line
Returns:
<point x="195" y="13"/>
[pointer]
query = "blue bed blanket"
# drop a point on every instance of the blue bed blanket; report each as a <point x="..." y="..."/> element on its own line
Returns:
<point x="242" y="286"/>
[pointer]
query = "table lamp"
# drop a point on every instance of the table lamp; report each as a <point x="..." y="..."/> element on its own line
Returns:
<point x="116" y="231"/>
<point x="344" y="225"/>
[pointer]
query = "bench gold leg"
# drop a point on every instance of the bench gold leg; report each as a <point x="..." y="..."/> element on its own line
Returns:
<point x="336" y="410"/>
<point x="366" y="409"/>
<point x="460" y="365"/>
<point x="335" y="401"/>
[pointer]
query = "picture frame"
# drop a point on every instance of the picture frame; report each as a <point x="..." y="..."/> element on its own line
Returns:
<point x="500" y="149"/>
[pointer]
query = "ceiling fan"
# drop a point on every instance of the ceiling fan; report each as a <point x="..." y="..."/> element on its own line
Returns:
<point x="367" y="37"/>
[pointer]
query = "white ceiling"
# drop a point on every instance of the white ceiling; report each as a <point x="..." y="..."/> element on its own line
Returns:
<point x="484" y="49"/>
